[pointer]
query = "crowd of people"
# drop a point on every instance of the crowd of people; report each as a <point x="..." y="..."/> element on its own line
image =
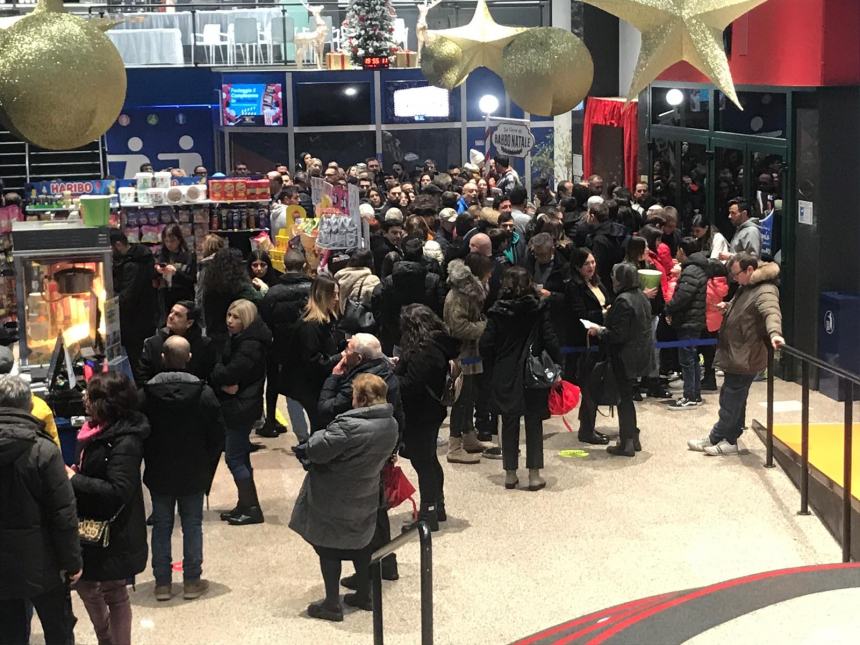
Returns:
<point x="464" y="286"/>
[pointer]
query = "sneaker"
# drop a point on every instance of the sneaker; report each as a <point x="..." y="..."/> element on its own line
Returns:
<point x="492" y="453"/>
<point x="722" y="448"/>
<point x="699" y="445"/>
<point x="192" y="589"/>
<point x="163" y="592"/>
<point x="684" y="404"/>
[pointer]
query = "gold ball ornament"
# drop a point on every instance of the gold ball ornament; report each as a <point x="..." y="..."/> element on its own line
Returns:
<point x="62" y="81"/>
<point x="547" y="71"/>
<point x="442" y="63"/>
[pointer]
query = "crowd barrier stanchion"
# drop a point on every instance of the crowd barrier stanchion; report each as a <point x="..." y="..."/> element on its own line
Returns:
<point x="769" y="443"/>
<point x="804" y="441"/>
<point x="847" y="460"/>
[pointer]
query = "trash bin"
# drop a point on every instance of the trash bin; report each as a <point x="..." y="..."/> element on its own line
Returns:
<point x="838" y="322"/>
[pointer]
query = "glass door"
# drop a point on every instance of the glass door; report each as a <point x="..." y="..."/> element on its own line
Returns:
<point x="729" y="178"/>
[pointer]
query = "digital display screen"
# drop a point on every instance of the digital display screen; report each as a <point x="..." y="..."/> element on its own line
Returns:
<point x="252" y="104"/>
<point x="416" y="102"/>
<point x="321" y="104"/>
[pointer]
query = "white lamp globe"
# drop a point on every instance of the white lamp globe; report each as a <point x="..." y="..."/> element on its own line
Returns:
<point x="674" y="97"/>
<point x="488" y="104"/>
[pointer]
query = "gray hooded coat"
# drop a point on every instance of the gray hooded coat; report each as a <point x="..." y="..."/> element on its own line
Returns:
<point x="747" y="238"/>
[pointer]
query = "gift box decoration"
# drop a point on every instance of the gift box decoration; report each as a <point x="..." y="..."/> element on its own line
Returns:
<point x="336" y="60"/>
<point x="406" y="58"/>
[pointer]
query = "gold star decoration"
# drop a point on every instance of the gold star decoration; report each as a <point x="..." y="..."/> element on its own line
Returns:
<point x="481" y="41"/>
<point x="676" y="30"/>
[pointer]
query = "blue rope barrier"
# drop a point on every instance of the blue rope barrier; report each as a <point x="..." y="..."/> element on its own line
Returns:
<point x="672" y="344"/>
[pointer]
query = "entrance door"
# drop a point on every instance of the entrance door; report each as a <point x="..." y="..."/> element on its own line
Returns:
<point x="730" y="179"/>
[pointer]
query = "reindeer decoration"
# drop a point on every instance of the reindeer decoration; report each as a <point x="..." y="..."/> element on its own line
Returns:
<point x="421" y="24"/>
<point x="314" y="39"/>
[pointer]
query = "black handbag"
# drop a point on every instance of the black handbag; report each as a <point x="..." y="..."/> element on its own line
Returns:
<point x="540" y="371"/>
<point x="601" y="384"/>
<point x="357" y="317"/>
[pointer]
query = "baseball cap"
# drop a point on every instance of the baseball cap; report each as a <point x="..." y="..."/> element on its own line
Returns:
<point x="449" y="215"/>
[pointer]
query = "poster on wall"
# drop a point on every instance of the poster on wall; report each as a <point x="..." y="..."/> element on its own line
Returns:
<point x="252" y="104"/>
<point x="166" y="137"/>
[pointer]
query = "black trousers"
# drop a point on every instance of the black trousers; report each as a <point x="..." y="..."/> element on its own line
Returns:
<point x="486" y="422"/>
<point x="511" y="441"/>
<point x="463" y="411"/>
<point x="273" y="382"/>
<point x="709" y="352"/>
<point x="431" y="478"/>
<point x="54" y="608"/>
<point x="626" y="409"/>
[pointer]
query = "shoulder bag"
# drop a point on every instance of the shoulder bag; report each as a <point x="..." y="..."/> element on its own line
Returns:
<point x="96" y="532"/>
<point x="540" y="371"/>
<point x="357" y="317"/>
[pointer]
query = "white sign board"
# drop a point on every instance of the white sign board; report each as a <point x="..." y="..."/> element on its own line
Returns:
<point x="513" y="139"/>
<point x="805" y="212"/>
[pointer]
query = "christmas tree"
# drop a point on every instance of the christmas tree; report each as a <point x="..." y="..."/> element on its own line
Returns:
<point x="369" y="29"/>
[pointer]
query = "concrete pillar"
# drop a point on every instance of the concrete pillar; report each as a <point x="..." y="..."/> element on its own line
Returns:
<point x="562" y="124"/>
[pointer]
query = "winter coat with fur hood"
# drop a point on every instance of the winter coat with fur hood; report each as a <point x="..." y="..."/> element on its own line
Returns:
<point x="752" y="318"/>
<point x="464" y="316"/>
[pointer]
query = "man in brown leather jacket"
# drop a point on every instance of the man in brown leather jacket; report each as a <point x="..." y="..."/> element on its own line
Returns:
<point x="752" y="319"/>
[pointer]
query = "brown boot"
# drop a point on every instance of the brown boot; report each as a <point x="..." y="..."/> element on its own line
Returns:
<point x="471" y="443"/>
<point x="457" y="455"/>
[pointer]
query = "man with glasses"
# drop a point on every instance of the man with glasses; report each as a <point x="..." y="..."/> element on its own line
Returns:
<point x="751" y="321"/>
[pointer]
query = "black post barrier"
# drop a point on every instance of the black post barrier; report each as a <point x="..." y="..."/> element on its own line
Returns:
<point x="769" y="442"/>
<point x="846" y="472"/>
<point x="426" y="564"/>
<point x="804" y="441"/>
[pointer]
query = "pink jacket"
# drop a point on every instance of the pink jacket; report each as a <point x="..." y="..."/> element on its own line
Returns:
<point x="718" y="288"/>
<point x="662" y="261"/>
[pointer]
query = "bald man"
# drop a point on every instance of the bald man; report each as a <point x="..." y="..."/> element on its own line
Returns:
<point x="480" y="243"/>
<point x="181" y="453"/>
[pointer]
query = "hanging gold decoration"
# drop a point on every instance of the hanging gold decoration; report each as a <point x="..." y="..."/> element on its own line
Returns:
<point x="547" y="71"/>
<point x="62" y="81"/>
<point x="676" y="30"/>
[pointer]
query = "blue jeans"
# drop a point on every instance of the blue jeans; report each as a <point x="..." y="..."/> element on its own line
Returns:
<point x="237" y="451"/>
<point x="191" y="517"/>
<point x="297" y="419"/>
<point x="688" y="357"/>
<point x="733" y="408"/>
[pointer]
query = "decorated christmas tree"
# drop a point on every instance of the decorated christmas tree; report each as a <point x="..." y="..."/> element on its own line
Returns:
<point x="369" y="29"/>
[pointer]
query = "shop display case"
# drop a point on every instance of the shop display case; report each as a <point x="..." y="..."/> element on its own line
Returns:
<point x="64" y="281"/>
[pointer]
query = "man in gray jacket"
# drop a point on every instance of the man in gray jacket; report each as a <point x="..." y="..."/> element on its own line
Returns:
<point x="747" y="237"/>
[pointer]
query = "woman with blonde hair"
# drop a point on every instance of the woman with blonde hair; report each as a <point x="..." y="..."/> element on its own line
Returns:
<point x="335" y="511"/>
<point x="317" y="346"/>
<point x="238" y="381"/>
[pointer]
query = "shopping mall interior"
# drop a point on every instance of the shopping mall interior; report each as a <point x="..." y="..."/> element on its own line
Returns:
<point x="124" y="124"/>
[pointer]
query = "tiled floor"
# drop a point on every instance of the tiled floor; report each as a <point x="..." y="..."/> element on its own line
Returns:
<point x="509" y="563"/>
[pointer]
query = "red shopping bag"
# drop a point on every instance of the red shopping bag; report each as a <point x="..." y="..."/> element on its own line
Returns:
<point x="563" y="397"/>
<point x="397" y="487"/>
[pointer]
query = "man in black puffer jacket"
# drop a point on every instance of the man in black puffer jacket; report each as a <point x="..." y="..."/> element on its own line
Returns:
<point x="39" y="545"/>
<point x="183" y="320"/>
<point x="686" y="313"/>
<point x="410" y="282"/>
<point x="281" y="309"/>
<point x="186" y="439"/>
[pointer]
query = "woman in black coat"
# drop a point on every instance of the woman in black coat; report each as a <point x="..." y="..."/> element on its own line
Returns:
<point x="422" y="372"/>
<point x="516" y="317"/>
<point x="238" y="380"/>
<point x="587" y="300"/>
<point x="225" y="280"/>
<point x="177" y="266"/>
<point x="316" y="349"/>
<point x="106" y="481"/>
<point x="629" y="338"/>
<point x="261" y="272"/>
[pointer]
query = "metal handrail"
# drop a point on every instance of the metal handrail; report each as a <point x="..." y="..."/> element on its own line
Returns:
<point x="847" y="380"/>
<point x="423" y="532"/>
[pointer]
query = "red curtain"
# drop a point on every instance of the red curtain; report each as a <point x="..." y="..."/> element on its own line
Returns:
<point x="617" y="114"/>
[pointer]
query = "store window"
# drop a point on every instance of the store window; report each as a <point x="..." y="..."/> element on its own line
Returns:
<point x="686" y="108"/>
<point x="261" y="151"/>
<point x="412" y="147"/>
<point x="346" y="148"/>
<point x="326" y="104"/>
<point x="764" y="114"/>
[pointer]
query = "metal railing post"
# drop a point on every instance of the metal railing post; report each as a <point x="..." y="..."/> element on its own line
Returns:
<point x="804" y="441"/>
<point x="847" y="459"/>
<point x="376" y="589"/>
<point x="769" y="443"/>
<point x="424" y="536"/>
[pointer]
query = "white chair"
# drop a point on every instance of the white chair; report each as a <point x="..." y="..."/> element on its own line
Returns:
<point x="246" y="36"/>
<point x="212" y="38"/>
<point x="401" y="33"/>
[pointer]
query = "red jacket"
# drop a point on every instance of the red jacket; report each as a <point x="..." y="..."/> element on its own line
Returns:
<point x="663" y="262"/>
<point x="718" y="288"/>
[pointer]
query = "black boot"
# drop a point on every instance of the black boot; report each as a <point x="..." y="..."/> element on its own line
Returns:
<point x="249" y="511"/>
<point x="268" y="430"/>
<point x="389" y="572"/>
<point x="427" y="513"/>
<point x="624" y="448"/>
<point x="656" y="390"/>
<point x="441" y="515"/>
<point x="595" y="438"/>
<point x="226" y="515"/>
